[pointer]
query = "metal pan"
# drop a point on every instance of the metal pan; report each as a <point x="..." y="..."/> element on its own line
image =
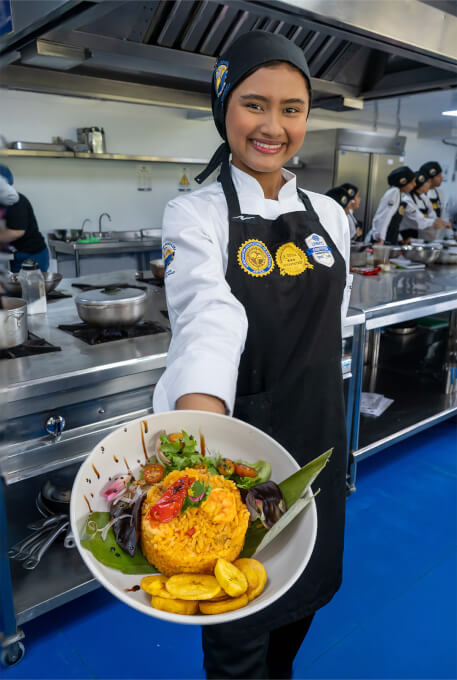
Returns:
<point x="13" y="322"/>
<point x="12" y="284"/>
<point x="111" y="307"/>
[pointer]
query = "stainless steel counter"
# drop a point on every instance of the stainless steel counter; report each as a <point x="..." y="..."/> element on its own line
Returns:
<point x="397" y="296"/>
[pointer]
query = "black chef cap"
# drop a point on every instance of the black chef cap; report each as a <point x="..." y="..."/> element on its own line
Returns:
<point x="245" y="55"/>
<point x="421" y="178"/>
<point x="339" y="195"/>
<point x="431" y="169"/>
<point x="350" y="189"/>
<point x="400" y="176"/>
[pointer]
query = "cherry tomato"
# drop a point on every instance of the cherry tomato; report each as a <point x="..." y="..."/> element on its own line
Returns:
<point x="153" y="473"/>
<point x="245" y="470"/>
<point x="175" y="437"/>
<point x="226" y="467"/>
<point x="169" y="506"/>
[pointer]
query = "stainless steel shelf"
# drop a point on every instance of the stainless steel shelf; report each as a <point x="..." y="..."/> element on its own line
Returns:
<point x="103" y="156"/>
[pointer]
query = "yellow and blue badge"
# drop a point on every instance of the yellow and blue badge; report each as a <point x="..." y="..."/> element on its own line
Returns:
<point x="292" y="260"/>
<point x="220" y="77"/>
<point x="255" y="259"/>
<point x="168" y="255"/>
<point x="401" y="210"/>
<point x="432" y="172"/>
<point x="319" y="250"/>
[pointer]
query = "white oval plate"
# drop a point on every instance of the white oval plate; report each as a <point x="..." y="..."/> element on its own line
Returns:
<point x="284" y="559"/>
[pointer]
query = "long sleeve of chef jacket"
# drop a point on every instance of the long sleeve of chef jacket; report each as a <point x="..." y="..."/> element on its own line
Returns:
<point x="8" y="194"/>
<point x="209" y="325"/>
<point x="388" y="206"/>
<point x="413" y="218"/>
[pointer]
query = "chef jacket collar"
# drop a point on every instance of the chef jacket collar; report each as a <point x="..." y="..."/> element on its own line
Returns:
<point x="246" y="184"/>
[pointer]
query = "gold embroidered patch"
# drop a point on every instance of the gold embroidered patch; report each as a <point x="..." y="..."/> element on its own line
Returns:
<point x="401" y="210"/>
<point x="292" y="260"/>
<point x="254" y="258"/>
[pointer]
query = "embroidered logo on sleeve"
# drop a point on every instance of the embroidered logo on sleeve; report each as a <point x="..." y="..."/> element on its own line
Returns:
<point x="319" y="250"/>
<point x="292" y="260"/>
<point x="255" y="259"/>
<point x="390" y="203"/>
<point x="168" y="255"/>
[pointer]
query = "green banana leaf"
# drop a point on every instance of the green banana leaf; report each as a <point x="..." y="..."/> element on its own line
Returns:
<point x="108" y="552"/>
<point x="293" y="489"/>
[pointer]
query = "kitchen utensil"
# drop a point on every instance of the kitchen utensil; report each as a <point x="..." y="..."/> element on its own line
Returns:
<point x="448" y="256"/>
<point x="425" y="253"/>
<point x="12" y="284"/>
<point x="36" y="146"/>
<point x="93" y="137"/>
<point x="13" y="321"/>
<point x="35" y="558"/>
<point x="158" y="268"/>
<point x="234" y="439"/>
<point x="23" y="548"/>
<point x="127" y="235"/>
<point x="76" y="147"/>
<point x="111" y="306"/>
<point x="56" y="497"/>
<point x="381" y="254"/>
<point x="152" y="233"/>
<point x="358" y="257"/>
<point x="69" y="540"/>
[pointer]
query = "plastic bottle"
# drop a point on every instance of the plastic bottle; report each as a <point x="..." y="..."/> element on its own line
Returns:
<point x="33" y="289"/>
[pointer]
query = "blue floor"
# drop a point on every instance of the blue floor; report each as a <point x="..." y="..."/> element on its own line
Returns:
<point x="394" y="617"/>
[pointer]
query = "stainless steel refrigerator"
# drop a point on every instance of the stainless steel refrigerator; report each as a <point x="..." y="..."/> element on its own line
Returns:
<point x="332" y="157"/>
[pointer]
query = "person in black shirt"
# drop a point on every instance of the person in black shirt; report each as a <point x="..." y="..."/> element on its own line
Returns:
<point x="21" y="231"/>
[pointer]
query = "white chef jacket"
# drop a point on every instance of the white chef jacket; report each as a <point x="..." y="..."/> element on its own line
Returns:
<point x="387" y="207"/>
<point x="414" y="219"/>
<point x="352" y="225"/>
<point x="209" y="324"/>
<point x="8" y="194"/>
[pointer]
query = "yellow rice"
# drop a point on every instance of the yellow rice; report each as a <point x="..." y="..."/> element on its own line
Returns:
<point x="218" y="527"/>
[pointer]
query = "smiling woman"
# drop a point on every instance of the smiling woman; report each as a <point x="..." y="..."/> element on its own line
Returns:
<point x="255" y="293"/>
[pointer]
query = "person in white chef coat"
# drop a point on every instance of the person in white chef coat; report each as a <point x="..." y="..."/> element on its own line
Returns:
<point x="257" y="281"/>
<point x="434" y="172"/>
<point x="420" y="219"/>
<point x="389" y="214"/>
<point x="355" y="225"/>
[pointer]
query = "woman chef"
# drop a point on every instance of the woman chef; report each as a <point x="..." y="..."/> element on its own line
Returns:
<point x="391" y="209"/>
<point x="255" y="280"/>
<point x="433" y="171"/>
<point x="420" y="220"/>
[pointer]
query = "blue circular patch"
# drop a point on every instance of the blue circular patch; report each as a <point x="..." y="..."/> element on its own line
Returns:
<point x="254" y="257"/>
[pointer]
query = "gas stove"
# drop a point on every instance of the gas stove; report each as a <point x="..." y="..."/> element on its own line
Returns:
<point x="93" y="335"/>
<point x="32" y="346"/>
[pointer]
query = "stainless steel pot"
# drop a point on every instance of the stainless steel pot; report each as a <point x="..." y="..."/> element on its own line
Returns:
<point x="425" y="253"/>
<point x="358" y="256"/>
<point x="12" y="284"/>
<point x="111" y="307"/>
<point x="158" y="268"/>
<point x="448" y="256"/>
<point x="13" y="322"/>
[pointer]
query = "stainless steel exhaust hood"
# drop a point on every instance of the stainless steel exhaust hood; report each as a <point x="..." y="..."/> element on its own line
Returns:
<point x="356" y="50"/>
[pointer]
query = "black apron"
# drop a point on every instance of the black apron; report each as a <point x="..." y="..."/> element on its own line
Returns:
<point x="394" y="225"/>
<point x="436" y="203"/>
<point x="420" y="205"/>
<point x="290" y="380"/>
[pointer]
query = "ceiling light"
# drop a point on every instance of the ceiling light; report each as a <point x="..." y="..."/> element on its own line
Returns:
<point x="449" y="113"/>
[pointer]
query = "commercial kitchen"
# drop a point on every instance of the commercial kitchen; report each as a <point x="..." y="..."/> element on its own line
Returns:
<point x="106" y="116"/>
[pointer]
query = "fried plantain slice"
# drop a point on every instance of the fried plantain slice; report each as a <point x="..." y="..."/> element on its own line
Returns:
<point x="194" y="586"/>
<point x="230" y="578"/>
<point x="224" y="605"/>
<point x="174" y="606"/>
<point x="255" y="573"/>
<point x="155" y="585"/>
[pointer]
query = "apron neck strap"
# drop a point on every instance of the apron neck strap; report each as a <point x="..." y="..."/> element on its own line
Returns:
<point x="231" y="196"/>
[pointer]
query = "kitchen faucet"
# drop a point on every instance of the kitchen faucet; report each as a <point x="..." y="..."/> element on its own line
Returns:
<point x="100" y="221"/>
<point x="84" y="224"/>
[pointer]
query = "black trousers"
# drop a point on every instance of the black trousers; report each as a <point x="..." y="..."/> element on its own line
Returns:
<point x="267" y="657"/>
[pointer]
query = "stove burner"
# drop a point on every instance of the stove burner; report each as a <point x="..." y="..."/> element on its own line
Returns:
<point x="93" y="335"/>
<point x="33" y="345"/>
<point x="87" y="286"/>
<point x="54" y="295"/>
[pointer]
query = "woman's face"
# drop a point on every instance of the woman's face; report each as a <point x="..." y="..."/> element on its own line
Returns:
<point x="424" y="188"/>
<point x="356" y="201"/>
<point x="266" y="118"/>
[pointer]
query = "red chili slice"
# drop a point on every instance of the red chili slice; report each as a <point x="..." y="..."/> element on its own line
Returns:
<point x="191" y="531"/>
<point x="169" y="506"/>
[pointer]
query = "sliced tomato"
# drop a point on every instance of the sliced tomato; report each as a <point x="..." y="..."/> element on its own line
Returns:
<point x="169" y="506"/>
<point x="226" y="467"/>
<point x="245" y="470"/>
<point x="153" y="473"/>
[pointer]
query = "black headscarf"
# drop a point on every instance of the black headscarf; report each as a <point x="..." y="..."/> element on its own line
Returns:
<point x="350" y="189"/>
<point x="431" y="169"/>
<point x="400" y="176"/>
<point x="339" y="195"/>
<point x="244" y="56"/>
<point x="421" y="178"/>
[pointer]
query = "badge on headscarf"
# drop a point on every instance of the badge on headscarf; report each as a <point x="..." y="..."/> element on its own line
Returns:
<point x="220" y="77"/>
<point x="292" y="260"/>
<point x="319" y="250"/>
<point x="254" y="258"/>
<point x="168" y="255"/>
